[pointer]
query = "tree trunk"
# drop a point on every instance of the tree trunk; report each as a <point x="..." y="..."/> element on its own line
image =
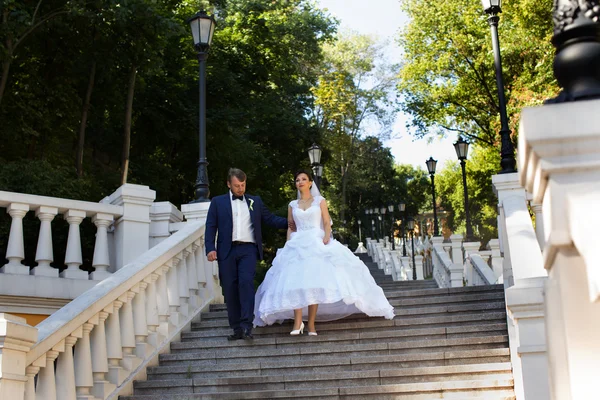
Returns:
<point x="127" y="130"/>
<point x="9" y="52"/>
<point x="84" y="116"/>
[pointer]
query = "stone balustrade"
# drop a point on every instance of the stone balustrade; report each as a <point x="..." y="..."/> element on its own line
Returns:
<point x="46" y="209"/>
<point x="97" y="344"/>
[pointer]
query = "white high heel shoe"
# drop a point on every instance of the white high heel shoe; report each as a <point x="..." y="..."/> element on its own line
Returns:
<point x="312" y="333"/>
<point x="297" y="332"/>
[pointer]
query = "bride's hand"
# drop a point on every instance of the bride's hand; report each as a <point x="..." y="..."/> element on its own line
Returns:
<point x="326" y="239"/>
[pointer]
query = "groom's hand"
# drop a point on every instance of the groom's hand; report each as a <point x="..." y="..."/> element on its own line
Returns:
<point x="292" y="225"/>
<point x="211" y="256"/>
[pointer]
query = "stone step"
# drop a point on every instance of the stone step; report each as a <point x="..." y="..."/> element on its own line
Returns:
<point x="314" y="354"/>
<point x="433" y="309"/>
<point x="407" y="302"/>
<point x="371" y="324"/>
<point x="301" y="380"/>
<point x="394" y="334"/>
<point x="204" y="369"/>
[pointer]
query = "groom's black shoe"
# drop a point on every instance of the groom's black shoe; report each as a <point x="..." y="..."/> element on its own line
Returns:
<point x="237" y="335"/>
<point x="248" y="334"/>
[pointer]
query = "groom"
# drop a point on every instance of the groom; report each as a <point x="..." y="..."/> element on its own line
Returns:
<point x="237" y="218"/>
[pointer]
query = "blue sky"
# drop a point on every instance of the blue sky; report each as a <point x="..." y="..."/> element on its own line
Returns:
<point x="383" y="18"/>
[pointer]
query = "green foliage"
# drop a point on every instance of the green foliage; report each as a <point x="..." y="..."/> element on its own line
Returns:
<point x="448" y="76"/>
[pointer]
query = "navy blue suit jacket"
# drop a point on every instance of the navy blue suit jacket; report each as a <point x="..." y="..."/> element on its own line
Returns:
<point x="220" y="220"/>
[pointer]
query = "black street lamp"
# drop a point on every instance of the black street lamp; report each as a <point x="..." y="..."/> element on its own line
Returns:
<point x="359" y="233"/>
<point x="378" y="224"/>
<point x="507" y="150"/>
<point x="431" y="164"/>
<point x="410" y="225"/>
<point x="462" y="148"/>
<point x="577" y="50"/>
<point x="314" y="155"/>
<point x="203" y="28"/>
<point x="372" y="224"/>
<point x="391" y="210"/>
<point x="402" y="208"/>
<point x="382" y="210"/>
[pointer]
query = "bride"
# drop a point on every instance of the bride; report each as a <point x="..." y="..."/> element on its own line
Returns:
<point x="313" y="271"/>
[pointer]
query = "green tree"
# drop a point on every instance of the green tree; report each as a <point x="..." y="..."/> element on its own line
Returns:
<point x="447" y="80"/>
<point x="353" y="90"/>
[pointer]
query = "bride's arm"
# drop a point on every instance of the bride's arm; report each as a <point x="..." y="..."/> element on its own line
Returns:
<point x="326" y="221"/>
<point x="290" y="220"/>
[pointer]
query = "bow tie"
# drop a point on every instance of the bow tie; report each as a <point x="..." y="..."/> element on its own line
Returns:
<point x="234" y="197"/>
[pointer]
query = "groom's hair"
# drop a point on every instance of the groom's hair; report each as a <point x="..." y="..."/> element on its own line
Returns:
<point x="238" y="173"/>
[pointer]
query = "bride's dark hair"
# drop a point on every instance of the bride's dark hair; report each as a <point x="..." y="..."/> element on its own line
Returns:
<point x="303" y="171"/>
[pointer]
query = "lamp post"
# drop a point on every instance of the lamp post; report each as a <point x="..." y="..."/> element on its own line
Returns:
<point x="382" y="211"/>
<point x="378" y="224"/>
<point x="203" y="28"/>
<point x="391" y="210"/>
<point x="372" y="224"/>
<point x="410" y="224"/>
<point x="314" y="155"/>
<point x="359" y="233"/>
<point x="462" y="148"/>
<point x="507" y="151"/>
<point x="431" y="164"/>
<point x="402" y="208"/>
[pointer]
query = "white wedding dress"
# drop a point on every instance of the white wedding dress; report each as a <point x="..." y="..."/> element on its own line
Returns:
<point x="306" y="271"/>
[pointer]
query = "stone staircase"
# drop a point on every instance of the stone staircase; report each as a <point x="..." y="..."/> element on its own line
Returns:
<point x="443" y="344"/>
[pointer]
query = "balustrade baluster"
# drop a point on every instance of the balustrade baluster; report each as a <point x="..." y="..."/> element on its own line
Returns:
<point x="162" y="300"/>
<point x="102" y="388"/>
<point x="15" y="251"/>
<point x="152" y="310"/>
<point x="84" y="379"/>
<point x="130" y="360"/>
<point x="140" y="324"/>
<point x="65" y="372"/>
<point x="199" y="256"/>
<point x="101" y="260"/>
<point x="30" y="372"/>
<point x="114" y="351"/>
<point x="190" y="262"/>
<point x="184" y="292"/>
<point x="44" y="254"/>
<point x="46" y="385"/>
<point x="73" y="257"/>
<point x="173" y="292"/>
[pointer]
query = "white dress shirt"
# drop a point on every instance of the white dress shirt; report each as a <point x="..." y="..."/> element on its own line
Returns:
<point x="243" y="231"/>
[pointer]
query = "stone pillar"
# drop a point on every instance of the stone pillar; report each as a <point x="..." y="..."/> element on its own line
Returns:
<point x="44" y="254"/>
<point x="16" y="339"/>
<point x="65" y="371"/>
<point x="101" y="260"/>
<point x="162" y="215"/>
<point x="132" y="229"/>
<point x="457" y="267"/>
<point x="15" y="251"/>
<point x="73" y="257"/>
<point x="84" y="378"/>
<point x="195" y="211"/>
<point x="558" y="163"/>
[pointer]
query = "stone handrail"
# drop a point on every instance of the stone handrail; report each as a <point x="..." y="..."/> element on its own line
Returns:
<point x="478" y="272"/>
<point x="116" y="328"/>
<point x="442" y="265"/>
